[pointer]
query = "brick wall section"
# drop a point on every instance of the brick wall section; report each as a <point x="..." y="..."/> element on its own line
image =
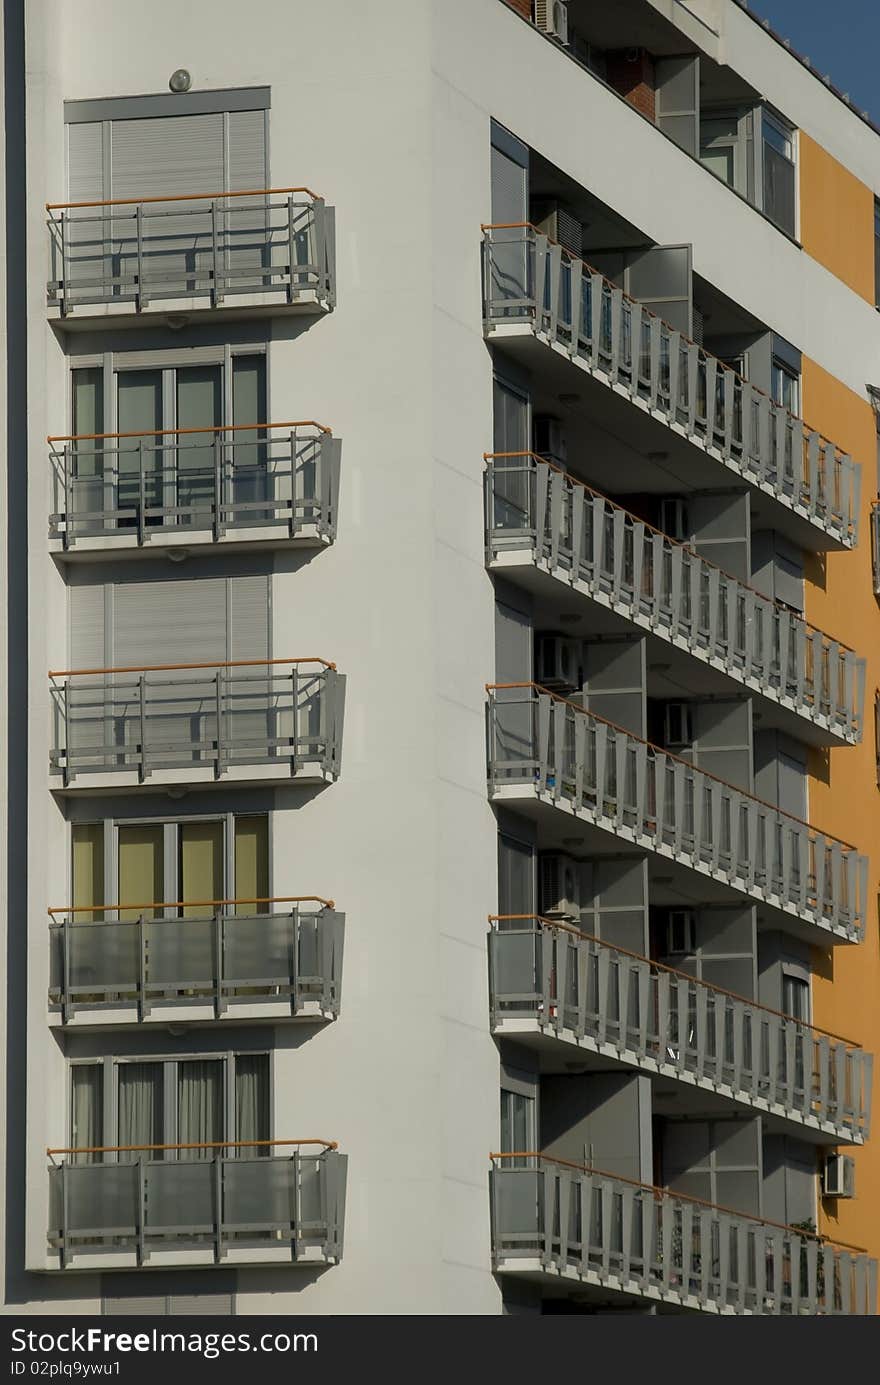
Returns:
<point x="631" y="72"/>
<point x="523" y="7"/>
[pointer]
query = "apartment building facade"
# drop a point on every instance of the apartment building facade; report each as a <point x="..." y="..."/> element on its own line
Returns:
<point x="440" y="765"/>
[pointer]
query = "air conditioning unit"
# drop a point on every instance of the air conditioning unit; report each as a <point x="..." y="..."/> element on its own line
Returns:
<point x="559" y="663"/>
<point x="548" y="439"/>
<point x="559" y="224"/>
<point x="681" y="933"/>
<point x="678" y="729"/>
<point x="675" y="519"/>
<point x="560" y="887"/>
<point x="839" y="1176"/>
<point x="551" y="17"/>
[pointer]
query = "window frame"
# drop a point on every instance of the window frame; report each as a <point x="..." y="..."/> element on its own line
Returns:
<point x="110" y="1064"/>
<point x="171" y="854"/>
<point x="769" y="117"/>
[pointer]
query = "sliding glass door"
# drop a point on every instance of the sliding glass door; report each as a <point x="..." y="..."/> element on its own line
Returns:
<point x="141" y="447"/>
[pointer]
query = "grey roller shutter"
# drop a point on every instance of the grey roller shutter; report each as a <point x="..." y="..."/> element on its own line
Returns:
<point x="85" y="162"/>
<point x="167" y="157"/>
<point x="246" y="150"/>
<point x="86" y="626"/>
<point x="208" y="1305"/>
<point x="190" y="620"/>
<point x="171" y="622"/>
<point x="137" y="1306"/>
<point x="249" y="617"/>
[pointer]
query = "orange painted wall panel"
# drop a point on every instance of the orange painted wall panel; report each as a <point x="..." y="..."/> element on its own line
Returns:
<point x="843" y="794"/>
<point x="837" y="218"/>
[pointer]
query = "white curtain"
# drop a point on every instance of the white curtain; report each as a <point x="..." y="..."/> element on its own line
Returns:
<point x="87" y="1101"/>
<point x="140" y="1106"/>
<point x="199" y="1106"/>
<point x="252" y="1100"/>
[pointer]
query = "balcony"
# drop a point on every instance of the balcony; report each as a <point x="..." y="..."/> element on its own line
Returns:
<point x="269" y="485"/>
<point x="179" y="1205"/>
<point x="555" y="989"/>
<point x="537" y="296"/>
<point x="562" y="1224"/>
<point x="875" y="544"/>
<point x="196" y="724"/>
<point x="226" y="959"/>
<point x="550" y="755"/>
<point x="267" y="250"/>
<point x="544" y="527"/>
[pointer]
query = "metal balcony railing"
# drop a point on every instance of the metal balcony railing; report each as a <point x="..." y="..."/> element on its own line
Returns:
<point x="589" y="993"/>
<point x="241" y="477"/>
<point x="591" y="1228"/>
<point x="543" y="745"/>
<point x="223" y="953"/>
<point x="191" y="246"/>
<point x="148" y="1198"/>
<point x="595" y="546"/>
<point x="212" y="717"/>
<point x="529" y="279"/>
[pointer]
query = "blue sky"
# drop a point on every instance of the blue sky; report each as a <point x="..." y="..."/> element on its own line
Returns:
<point x="840" y="37"/>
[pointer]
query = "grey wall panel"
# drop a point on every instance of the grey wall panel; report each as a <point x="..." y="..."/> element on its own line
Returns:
<point x="618" y="910"/>
<point x="602" y="1120"/>
<point x="723" y="741"/>
<point x="781" y="772"/>
<point x="615" y="680"/>
<point x="678" y="100"/>
<point x="720" y="527"/>
<point x="790" y="1182"/>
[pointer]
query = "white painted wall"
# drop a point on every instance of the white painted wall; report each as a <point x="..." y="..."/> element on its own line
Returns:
<point x="385" y="109"/>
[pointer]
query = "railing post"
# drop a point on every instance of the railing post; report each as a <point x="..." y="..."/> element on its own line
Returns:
<point x="219" y="963"/>
<point x="141" y="1211"/>
<point x="142" y="714"/>
<point x="68" y="515"/>
<point x="215" y="256"/>
<point x="142" y="968"/>
<point x="219" y="1168"/>
<point x="218" y="527"/>
<point x="142" y="492"/>
<point x="140" y="299"/>
<point x="62" y="236"/>
<point x="65" y="969"/>
<point x="65" y="1214"/>
<point x="218" y="696"/>
<point x="291" y="247"/>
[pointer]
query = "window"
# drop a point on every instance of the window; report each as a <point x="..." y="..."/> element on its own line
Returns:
<point x="518" y="1126"/>
<point x="152" y="468"/>
<point x="785" y="385"/>
<point x="161" y="1101"/>
<point x="189" y="862"/>
<point x="796" y="997"/>
<point x="778" y="158"/>
<point x="719" y="142"/>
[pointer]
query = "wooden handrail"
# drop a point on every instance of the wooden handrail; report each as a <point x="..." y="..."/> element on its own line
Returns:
<point x="673" y="971"/>
<point x="201" y="1144"/>
<point x="676" y="543"/>
<point x="174" y="668"/>
<point x="530" y="226"/>
<point x="177" y="432"/>
<point x="177" y="197"/>
<point x="659" y="750"/>
<point x="189" y="904"/>
<point x="680" y="1197"/>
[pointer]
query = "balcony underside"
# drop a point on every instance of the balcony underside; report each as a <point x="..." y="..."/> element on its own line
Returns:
<point x="672" y="882"/>
<point x="672" y="664"/>
<point x="636" y="450"/>
<point x="596" y="1289"/>
<point x="159" y="543"/>
<point x="189" y="1257"/>
<point x="196" y="1012"/>
<point x="676" y="1094"/>
<point x="94" y="783"/>
<point x="88" y="317"/>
